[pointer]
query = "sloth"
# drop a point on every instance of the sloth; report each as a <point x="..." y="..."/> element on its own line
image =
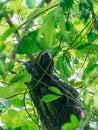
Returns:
<point x="57" y="112"/>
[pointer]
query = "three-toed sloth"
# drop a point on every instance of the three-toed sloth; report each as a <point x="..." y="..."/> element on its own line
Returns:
<point x="55" y="113"/>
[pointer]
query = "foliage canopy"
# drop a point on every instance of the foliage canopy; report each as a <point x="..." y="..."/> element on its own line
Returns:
<point x="66" y="29"/>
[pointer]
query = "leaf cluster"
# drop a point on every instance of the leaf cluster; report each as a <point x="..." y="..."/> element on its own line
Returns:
<point x="66" y="29"/>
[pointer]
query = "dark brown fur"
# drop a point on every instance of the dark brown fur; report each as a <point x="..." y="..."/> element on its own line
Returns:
<point x="53" y="114"/>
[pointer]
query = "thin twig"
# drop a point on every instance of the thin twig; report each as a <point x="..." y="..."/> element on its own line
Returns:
<point x="3" y="82"/>
<point x="36" y="15"/>
<point x="12" y="96"/>
<point x="81" y="38"/>
<point x="83" y="62"/>
<point x="78" y="36"/>
<point x="10" y="23"/>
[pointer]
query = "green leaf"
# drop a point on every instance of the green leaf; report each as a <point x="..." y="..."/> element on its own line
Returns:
<point x="2" y="47"/>
<point x="49" y="98"/>
<point x="46" y="32"/>
<point x="8" y="33"/>
<point x="72" y="125"/>
<point x="82" y="46"/>
<point x="78" y="83"/>
<point x="67" y="62"/>
<point x="92" y="37"/>
<point x="90" y="71"/>
<point x="6" y="91"/>
<point x="30" y="125"/>
<point x="30" y="3"/>
<point x="17" y="101"/>
<point x="1" y="67"/>
<point x="74" y="120"/>
<point x="95" y="81"/>
<point x="60" y="20"/>
<point x="55" y="90"/>
<point x="9" y="66"/>
<point x="63" y="67"/>
<point x="96" y="1"/>
<point x="67" y="126"/>
<point x="17" y="78"/>
<point x="82" y="6"/>
<point x="69" y="26"/>
<point x="66" y="4"/>
<point x="1" y="6"/>
<point x="28" y="44"/>
<point x="2" y="57"/>
<point x="76" y="61"/>
<point x="14" y="118"/>
<point x="96" y="100"/>
<point x="5" y="103"/>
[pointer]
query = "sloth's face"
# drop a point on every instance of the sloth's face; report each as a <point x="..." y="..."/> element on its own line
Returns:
<point x="45" y="62"/>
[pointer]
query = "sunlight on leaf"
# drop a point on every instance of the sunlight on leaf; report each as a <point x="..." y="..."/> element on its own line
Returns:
<point x="30" y="3"/>
<point x="72" y="125"/>
<point x="5" y="103"/>
<point x="16" y="78"/>
<point x="96" y="99"/>
<point x="55" y="90"/>
<point x="8" y="33"/>
<point x="49" y="98"/>
<point x="29" y="43"/>
<point x="47" y="35"/>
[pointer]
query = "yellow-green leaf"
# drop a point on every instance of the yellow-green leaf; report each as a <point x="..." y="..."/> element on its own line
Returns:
<point x="49" y="98"/>
<point x="55" y="90"/>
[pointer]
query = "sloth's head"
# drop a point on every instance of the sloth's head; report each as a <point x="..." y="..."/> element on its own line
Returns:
<point x="44" y="62"/>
